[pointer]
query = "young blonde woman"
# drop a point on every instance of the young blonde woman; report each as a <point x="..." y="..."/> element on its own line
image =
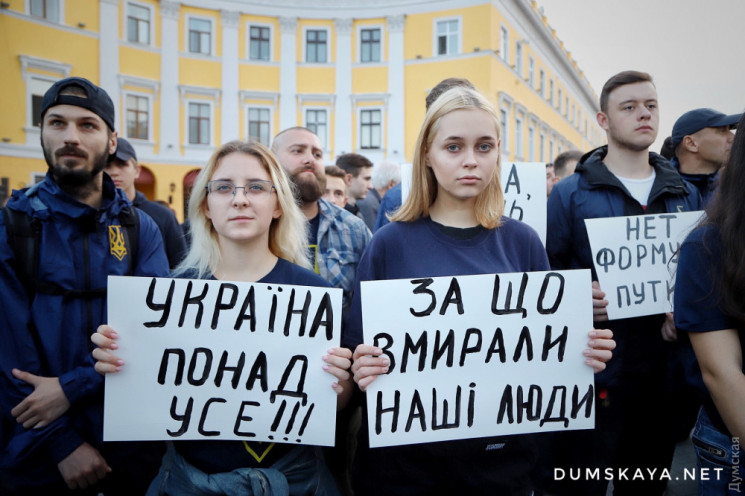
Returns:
<point x="245" y="226"/>
<point x="451" y="224"/>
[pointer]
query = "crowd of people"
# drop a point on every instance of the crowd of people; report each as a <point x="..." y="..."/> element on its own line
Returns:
<point x="280" y="215"/>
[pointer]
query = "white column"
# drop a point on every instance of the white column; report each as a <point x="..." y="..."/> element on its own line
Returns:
<point x="230" y="110"/>
<point x="288" y="73"/>
<point x="343" y="115"/>
<point x="108" y="54"/>
<point x="396" y="126"/>
<point x="170" y="124"/>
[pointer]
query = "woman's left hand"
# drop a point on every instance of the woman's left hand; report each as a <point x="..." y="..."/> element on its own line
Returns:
<point x="338" y="361"/>
<point x="601" y="346"/>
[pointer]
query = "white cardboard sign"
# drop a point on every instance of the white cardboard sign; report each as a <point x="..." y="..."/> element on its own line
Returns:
<point x="524" y="186"/>
<point x="209" y="359"/>
<point x="478" y="356"/>
<point x="635" y="259"/>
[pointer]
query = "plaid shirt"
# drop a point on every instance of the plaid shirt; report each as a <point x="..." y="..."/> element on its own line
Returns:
<point x="341" y="239"/>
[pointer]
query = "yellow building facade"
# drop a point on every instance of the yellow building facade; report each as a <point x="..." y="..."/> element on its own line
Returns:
<point x="187" y="76"/>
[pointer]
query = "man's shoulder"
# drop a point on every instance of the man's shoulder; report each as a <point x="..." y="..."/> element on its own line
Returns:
<point x="340" y="216"/>
<point x="158" y="212"/>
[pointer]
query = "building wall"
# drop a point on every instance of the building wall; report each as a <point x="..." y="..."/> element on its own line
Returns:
<point x="382" y="86"/>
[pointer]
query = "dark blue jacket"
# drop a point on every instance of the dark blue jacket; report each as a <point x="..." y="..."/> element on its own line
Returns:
<point x="80" y="247"/>
<point x="594" y="192"/>
<point x="705" y="183"/>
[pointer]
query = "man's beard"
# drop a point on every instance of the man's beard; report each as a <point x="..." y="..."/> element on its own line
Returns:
<point x="74" y="178"/>
<point x="308" y="189"/>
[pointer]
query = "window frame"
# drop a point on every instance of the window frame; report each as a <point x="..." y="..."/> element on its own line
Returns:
<point x="542" y="83"/>
<point x="187" y="122"/>
<point x="60" y="11"/>
<point x="459" y="36"/>
<point x="323" y="139"/>
<point x="519" y="58"/>
<point x="187" y="37"/>
<point x="380" y="124"/>
<point x="261" y="25"/>
<point x="151" y="25"/>
<point x="327" y="44"/>
<point x="125" y="126"/>
<point x="504" y="43"/>
<point x="519" y="145"/>
<point x="269" y="122"/>
<point x="370" y="27"/>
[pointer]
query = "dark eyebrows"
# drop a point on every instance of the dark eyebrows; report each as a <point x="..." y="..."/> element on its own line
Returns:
<point x="460" y="138"/>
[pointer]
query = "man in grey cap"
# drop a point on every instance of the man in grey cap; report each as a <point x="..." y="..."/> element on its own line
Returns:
<point x="124" y="169"/>
<point x="701" y="140"/>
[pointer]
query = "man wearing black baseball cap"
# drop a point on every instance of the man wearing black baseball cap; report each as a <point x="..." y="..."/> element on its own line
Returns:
<point x="701" y="140"/>
<point x="59" y="242"/>
<point x="124" y="169"/>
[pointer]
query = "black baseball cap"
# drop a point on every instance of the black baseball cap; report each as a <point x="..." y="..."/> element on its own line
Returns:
<point x="695" y="120"/>
<point x="124" y="150"/>
<point x="96" y="99"/>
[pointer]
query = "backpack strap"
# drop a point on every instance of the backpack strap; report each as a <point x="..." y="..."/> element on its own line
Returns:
<point x="130" y="221"/>
<point x="24" y="237"/>
<point x="24" y="234"/>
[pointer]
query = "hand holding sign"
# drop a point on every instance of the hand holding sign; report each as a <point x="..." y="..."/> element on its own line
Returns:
<point x="481" y="355"/>
<point x="221" y="360"/>
<point x="635" y="259"/>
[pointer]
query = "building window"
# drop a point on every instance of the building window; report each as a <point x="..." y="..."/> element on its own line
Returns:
<point x="518" y="137"/>
<point x="316" y="41"/>
<point x="551" y="91"/>
<point x="370" y="45"/>
<point x="531" y="72"/>
<point x="447" y="36"/>
<point x="519" y="58"/>
<point x="503" y="114"/>
<point x="566" y="107"/>
<point x="542" y="148"/>
<point x="504" y="44"/>
<point x="138" y="117"/>
<point x="542" y="83"/>
<point x="138" y="24"/>
<point x="370" y="129"/>
<point x="551" y="150"/>
<point x="259" y="43"/>
<point x="200" y="36"/>
<point x="531" y="144"/>
<point x="36" y="110"/>
<point x="259" y="125"/>
<point x="317" y="121"/>
<point x="46" y="9"/>
<point x="561" y="95"/>
<point x="199" y="123"/>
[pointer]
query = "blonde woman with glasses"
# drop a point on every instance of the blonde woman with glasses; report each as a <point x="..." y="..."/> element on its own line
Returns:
<point x="246" y="226"/>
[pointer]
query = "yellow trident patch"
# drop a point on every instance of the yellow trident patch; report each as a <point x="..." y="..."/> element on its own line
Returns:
<point x="117" y="245"/>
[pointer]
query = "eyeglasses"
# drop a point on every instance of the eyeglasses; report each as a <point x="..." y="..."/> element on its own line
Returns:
<point x="257" y="187"/>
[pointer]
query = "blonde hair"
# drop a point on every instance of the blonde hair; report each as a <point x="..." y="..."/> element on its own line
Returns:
<point x="489" y="205"/>
<point x="287" y="234"/>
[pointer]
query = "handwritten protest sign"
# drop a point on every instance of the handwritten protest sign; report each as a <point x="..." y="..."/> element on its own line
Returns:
<point x="635" y="259"/>
<point x="524" y="186"/>
<point x="477" y="356"/>
<point x="209" y="359"/>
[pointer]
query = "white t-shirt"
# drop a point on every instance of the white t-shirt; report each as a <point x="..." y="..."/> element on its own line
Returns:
<point x="639" y="188"/>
